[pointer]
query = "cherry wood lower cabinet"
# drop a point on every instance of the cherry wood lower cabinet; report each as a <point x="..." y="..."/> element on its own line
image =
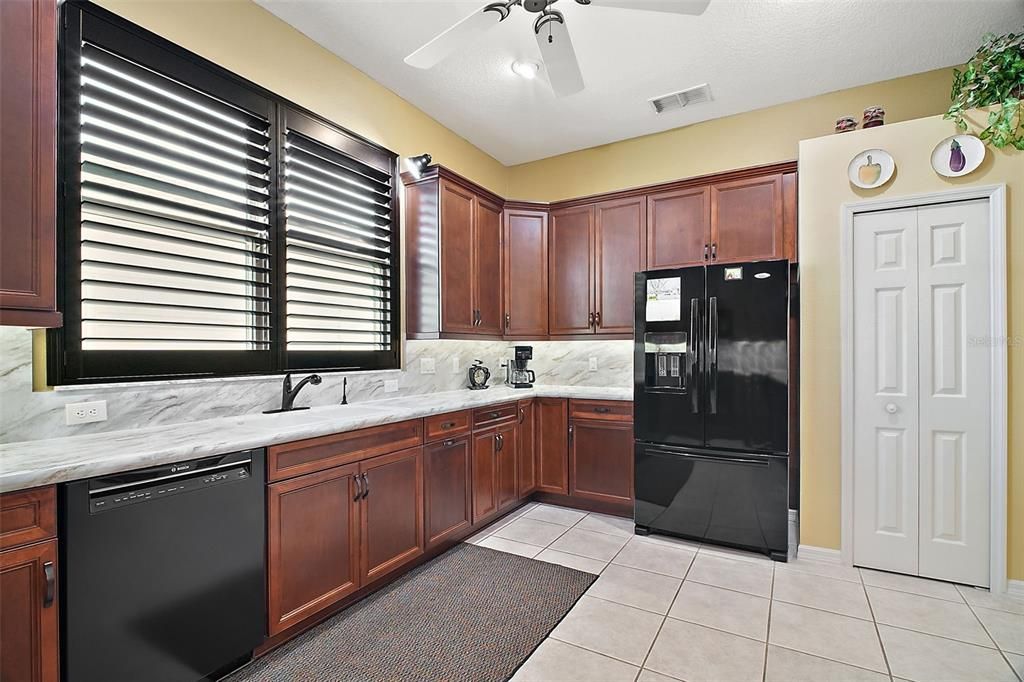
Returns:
<point x="552" y="445"/>
<point x="601" y="460"/>
<point x="29" y="651"/>
<point x="447" y="467"/>
<point x="485" y="493"/>
<point x="392" y="512"/>
<point x="526" y="437"/>
<point x="506" y="466"/>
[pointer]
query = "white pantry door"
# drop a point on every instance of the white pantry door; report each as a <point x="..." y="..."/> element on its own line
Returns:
<point x="922" y="391"/>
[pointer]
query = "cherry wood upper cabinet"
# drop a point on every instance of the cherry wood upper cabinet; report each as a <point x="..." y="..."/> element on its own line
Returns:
<point x="618" y="256"/>
<point x="526" y="273"/>
<point x="458" y="313"/>
<point x="28" y="164"/>
<point x="552" y="445"/>
<point x="312" y="544"/>
<point x="747" y="219"/>
<point x="28" y="613"/>
<point x="678" y="227"/>
<point x="570" y="269"/>
<point x="487" y="267"/>
<point x="447" y="488"/>
<point x="392" y="512"/>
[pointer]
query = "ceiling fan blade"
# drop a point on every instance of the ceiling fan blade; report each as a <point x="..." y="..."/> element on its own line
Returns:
<point x="674" y="6"/>
<point x="559" y="58"/>
<point x="462" y="33"/>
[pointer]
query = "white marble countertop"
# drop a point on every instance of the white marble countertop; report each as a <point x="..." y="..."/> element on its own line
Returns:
<point x="56" y="460"/>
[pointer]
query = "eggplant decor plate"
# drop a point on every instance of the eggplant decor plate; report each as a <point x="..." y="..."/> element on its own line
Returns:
<point x="958" y="155"/>
<point x="871" y="168"/>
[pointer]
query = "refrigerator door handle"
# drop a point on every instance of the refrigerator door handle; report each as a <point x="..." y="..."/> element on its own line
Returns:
<point x="694" y="355"/>
<point x="713" y="351"/>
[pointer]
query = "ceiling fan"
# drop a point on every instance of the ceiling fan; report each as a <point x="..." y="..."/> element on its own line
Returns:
<point x="549" y="28"/>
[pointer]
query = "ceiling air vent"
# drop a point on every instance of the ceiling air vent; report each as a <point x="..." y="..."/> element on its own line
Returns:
<point x="683" y="98"/>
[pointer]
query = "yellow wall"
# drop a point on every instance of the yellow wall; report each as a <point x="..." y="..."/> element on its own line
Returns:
<point x="243" y="37"/>
<point x="749" y="139"/>
<point x="824" y="187"/>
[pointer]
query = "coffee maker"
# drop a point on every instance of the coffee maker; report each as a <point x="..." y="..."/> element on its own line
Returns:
<point x="516" y="375"/>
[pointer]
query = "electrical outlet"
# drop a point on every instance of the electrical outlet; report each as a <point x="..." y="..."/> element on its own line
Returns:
<point x="84" y="413"/>
<point x="427" y="366"/>
<point x="593" y="363"/>
<point x="456" y="365"/>
<point x="390" y="385"/>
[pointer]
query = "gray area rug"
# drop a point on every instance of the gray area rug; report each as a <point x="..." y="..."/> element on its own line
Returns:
<point x="471" y="615"/>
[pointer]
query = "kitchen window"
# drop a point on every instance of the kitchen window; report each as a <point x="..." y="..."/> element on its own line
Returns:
<point x="209" y="227"/>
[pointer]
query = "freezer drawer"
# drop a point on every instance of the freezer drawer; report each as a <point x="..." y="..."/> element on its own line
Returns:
<point x="729" y="499"/>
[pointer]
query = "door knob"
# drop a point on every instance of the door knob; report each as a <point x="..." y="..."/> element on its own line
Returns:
<point x="892" y="408"/>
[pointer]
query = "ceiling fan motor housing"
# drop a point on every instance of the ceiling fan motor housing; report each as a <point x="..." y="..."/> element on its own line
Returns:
<point x="537" y="5"/>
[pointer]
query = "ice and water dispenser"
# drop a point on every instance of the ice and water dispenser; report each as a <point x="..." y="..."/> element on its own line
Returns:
<point x="666" y="338"/>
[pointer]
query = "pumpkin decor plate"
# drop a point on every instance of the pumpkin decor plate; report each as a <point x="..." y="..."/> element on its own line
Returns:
<point x="871" y="168"/>
<point x="958" y="155"/>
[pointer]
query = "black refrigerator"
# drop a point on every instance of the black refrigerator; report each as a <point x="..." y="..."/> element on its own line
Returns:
<point x="711" y="404"/>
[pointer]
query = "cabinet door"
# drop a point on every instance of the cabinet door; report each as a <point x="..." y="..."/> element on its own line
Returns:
<point x="552" y="442"/>
<point x="678" y="228"/>
<point x="619" y="255"/>
<point x="28" y="165"/>
<point x="570" y="270"/>
<point x="747" y="220"/>
<point x="485" y="477"/>
<point x="28" y="613"/>
<point x="601" y="460"/>
<point x="312" y="544"/>
<point x="526" y="433"/>
<point x="526" y="273"/>
<point x="447" y="487"/>
<point x="487" y="268"/>
<point x="392" y="512"/>
<point x="505" y="466"/>
<point x="457" y="213"/>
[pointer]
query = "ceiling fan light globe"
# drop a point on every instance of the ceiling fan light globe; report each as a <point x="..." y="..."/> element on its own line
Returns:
<point x="526" y="69"/>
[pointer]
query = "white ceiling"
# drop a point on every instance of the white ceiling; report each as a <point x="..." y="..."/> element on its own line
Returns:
<point x="752" y="53"/>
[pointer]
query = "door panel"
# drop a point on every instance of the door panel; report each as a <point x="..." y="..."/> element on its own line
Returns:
<point x="747" y="219"/>
<point x="487" y="269"/>
<point x="619" y="255"/>
<point x="552" y="442"/>
<point x="955" y="387"/>
<point x="392" y="512"/>
<point x="570" y="267"/>
<point x="525" y="447"/>
<point x="28" y="621"/>
<point x="526" y="273"/>
<point x="312" y="544"/>
<point x="885" y="336"/>
<point x="601" y="461"/>
<point x="485" y="477"/>
<point x="447" y="488"/>
<point x="678" y="228"/>
<point x="457" y="213"/>
<point x="505" y="463"/>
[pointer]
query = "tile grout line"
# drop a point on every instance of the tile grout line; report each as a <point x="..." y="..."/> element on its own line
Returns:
<point x="768" y="628"/>
<point x="874" y="621"/>
<point x="643" y="665"/>
<point x="1002" y="653"/>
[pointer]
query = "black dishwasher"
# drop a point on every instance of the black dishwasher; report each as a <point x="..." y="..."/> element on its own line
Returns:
<point x="162" y="570"/>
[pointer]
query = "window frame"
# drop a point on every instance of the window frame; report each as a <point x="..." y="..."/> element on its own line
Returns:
<point x="67" y="363"/>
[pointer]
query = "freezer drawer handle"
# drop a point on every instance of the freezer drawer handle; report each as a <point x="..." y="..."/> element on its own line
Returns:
<point x="51" y="584"/>
<point x="718" y="460"/>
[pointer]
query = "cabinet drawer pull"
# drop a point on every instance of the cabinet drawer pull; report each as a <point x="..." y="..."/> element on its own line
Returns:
<point x="508" y="321"/>
<point x="51" y="584"/>
<point x="447" y="425"/>
<point x="494" y="415"/>
<point x="522" y="414"/>
<point x="602" y="410"/>
<point x="448" y="443"/>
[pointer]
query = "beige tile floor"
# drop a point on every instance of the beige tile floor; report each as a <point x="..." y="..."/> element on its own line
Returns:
<point x="664" y="610"/>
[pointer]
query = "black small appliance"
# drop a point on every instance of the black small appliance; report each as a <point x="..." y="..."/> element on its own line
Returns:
<point x="519" y="376"/>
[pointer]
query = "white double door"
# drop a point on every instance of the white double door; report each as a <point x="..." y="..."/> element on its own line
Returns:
<point x="922" y="391"/>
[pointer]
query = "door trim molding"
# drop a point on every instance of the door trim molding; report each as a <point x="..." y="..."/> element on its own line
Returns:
<point x="996" y="197"/>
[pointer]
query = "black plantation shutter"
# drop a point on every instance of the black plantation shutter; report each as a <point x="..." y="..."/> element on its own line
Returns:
<point x="341" y="301"/>
<point x="174" y="216"/>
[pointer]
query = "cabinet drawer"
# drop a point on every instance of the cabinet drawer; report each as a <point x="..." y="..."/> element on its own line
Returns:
<point x="486" y="417"/>
<point x="315" y="454"/>
<point x="608" y="410"/>
<point x="28" y="516"/>
<point x="448" y="425"/>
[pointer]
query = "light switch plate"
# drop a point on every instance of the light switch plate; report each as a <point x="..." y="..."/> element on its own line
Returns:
<point x="593" y="363"/>
<point x="390" y="385"/>
<point x="456" y="365"/>
<point x="85" y="413"/>
<point x="427" y="366"/>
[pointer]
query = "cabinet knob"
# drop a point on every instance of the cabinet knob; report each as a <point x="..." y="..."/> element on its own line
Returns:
<point x="892" y="408"/>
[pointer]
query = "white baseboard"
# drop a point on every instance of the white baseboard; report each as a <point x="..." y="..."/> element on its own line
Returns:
<point x="1015" y="588"/>
<point x="822" y="554"/>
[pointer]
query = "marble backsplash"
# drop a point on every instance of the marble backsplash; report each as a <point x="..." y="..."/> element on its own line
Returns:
<point x="27" y="415"/>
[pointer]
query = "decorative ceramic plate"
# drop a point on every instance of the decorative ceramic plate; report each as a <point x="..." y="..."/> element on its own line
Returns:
<point x="958" y="155"/>
<point x="871" y="168"/>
